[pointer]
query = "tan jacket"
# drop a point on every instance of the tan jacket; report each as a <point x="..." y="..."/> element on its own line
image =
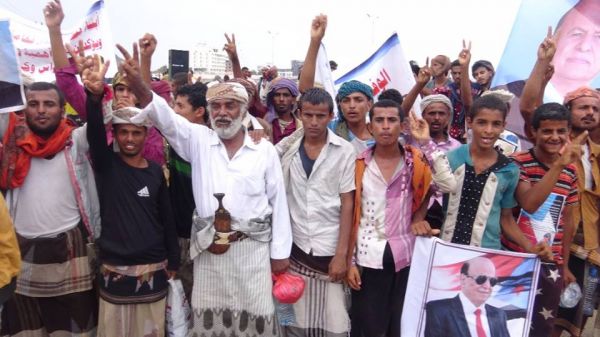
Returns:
<point x="10" y="257"/>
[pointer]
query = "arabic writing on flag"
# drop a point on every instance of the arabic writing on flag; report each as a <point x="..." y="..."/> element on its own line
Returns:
<point x="12" y="98"/>
<point x="387" y="68"/>
<point x="32" y="42"/>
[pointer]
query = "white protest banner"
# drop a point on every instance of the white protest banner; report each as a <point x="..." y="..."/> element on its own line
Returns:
<point x="387" y="68"/>
<point x="450" y="276"/>
<point x="12" y="97"/>
<point x="323" y="73"/>
<point x="32" y="42"/>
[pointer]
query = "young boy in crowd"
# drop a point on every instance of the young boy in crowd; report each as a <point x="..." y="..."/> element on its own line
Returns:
<point x="547" y="195"/>
<point x="392" y="194"/>
<point x="480" y="183"/>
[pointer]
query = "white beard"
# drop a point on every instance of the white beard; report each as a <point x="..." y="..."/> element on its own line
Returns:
<point x="230" y="131"/>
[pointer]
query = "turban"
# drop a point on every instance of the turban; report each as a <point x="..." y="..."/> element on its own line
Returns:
<point x="482" y="63"/>
<point x="437" y="98"/>
<point x="227" y="90"/>
<point x="504" y="95"/>
<point x="249" y="86"/>
<point x="580" y="92"/>
<point x="125" y="116"/>
<point x="282" y="83"/>
<point x="354" y="86"/>
<point x="276" y="84"/>
<point x="119" y="79"/>
<point x="162" y="88"/>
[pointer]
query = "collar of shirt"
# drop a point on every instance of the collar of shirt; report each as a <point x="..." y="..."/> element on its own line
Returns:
<point x="468" y="306"/>
<point x="502" y="163"/>
<point x="367" y="154"/>
<point x="333" y="139"/>
<point x="594" y="149"/>
<point x="248" y="142"/>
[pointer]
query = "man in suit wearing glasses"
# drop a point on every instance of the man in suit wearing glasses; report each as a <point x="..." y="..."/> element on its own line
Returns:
<point x="467" y="314"/>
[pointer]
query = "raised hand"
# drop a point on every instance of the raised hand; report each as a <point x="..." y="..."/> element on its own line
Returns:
<point x="419" y="129"/>
<point x="230" y="46"/>
<point x="93" y="74"/>
<point x="147" y="45"/>
<point x="547" y="48"/>
<point x="318" y="27"/>
<point x="571" y="151"/>
<point x="464" y="57"/>
<point x="424" y="74"/>
<point x="53" y="14"/>
<point x="78" y="56"/>
<point x="130" y="68"/>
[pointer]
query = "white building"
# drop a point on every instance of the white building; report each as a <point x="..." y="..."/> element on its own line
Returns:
<point x="209" y="61"/>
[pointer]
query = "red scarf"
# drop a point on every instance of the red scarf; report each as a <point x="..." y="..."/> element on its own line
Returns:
<point x="20" y="144"/>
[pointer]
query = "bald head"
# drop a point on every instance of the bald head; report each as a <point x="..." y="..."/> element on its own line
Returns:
<point x="478" y="277"/>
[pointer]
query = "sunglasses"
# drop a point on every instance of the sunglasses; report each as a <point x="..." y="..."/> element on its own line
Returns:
<point x="480" y="279"/>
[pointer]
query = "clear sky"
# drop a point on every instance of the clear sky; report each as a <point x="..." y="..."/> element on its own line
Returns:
<point x="355" y="28"/>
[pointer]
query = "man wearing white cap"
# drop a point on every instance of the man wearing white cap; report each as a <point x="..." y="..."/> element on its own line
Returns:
<point x="138" y="245"/>
<point x="232" y="290"/>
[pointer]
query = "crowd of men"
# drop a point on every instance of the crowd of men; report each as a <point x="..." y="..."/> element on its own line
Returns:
<point x="222" y="186"/>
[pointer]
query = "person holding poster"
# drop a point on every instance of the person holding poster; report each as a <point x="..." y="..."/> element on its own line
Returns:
<point x="584" y="106"/>
<point x="391" y="199"/>
<point x="547" y="194"/>
<point x="479" y="183"/>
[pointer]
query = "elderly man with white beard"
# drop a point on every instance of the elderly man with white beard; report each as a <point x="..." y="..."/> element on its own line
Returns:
<point x="232" y="240"/>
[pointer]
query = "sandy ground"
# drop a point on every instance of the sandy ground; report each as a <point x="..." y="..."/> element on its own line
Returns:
<point x="588" y="331"/>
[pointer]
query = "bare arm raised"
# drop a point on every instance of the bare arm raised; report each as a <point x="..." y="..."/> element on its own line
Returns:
<point x="231" y="48"/>
<point x="317" y="32"/>
<point x="533" y="92"/>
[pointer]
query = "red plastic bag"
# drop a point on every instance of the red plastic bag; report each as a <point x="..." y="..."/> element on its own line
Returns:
<point x="288" y="288"/>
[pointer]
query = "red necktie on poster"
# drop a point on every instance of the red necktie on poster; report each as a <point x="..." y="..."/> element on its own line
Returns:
<point x="479" y="324"/>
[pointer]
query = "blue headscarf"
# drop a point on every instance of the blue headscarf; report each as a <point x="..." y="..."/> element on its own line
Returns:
<point x="354" y="86"/>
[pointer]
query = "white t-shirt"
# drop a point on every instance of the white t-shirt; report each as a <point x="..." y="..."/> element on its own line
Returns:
<point x="46" y="205"/>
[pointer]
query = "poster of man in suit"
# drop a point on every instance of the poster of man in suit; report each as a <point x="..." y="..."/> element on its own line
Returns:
<point x="469" y="291"/>
<point x="13" y="97"/>
<point x="576" y="63"/>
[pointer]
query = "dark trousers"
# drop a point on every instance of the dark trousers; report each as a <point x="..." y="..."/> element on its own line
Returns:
<point x="377" y="306"/>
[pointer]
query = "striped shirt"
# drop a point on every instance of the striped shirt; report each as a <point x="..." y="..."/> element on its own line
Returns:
<point x="563" y="194"/>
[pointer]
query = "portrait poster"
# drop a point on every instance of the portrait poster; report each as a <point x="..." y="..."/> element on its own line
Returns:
<point x="457" y="285"/>
<point x="11" y="87"/>
<point x="575" y="25"/>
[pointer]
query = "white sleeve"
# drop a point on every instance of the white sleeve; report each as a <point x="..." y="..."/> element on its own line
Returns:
<point x="175" y="128"/>
<point x="443" y="177"/>
<point x="281" y="243"/>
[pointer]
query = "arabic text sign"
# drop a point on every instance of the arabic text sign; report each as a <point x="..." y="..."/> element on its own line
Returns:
<point x="387" y="68"/>
<point x="32" y="42"/>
